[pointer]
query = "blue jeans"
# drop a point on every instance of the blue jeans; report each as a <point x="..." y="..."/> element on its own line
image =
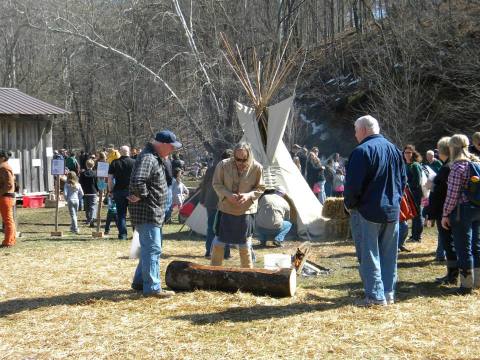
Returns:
<point x="90" y="206"/>
<point x="279" y="234"/>
<point x="417" y="221"/>
<point x="321" y="195"/>
<point x="148" y="269"/>
<point x="328" y="189"/>
<point x="402" y="233"/>
<point x="376" y="247"/>
<point x="417" y="227"/>
<point x="212" y="213"/>
<point x="110" y="217"/>
<point x="73" y="209"/>
<point x="466" y="232"/>
<point x="446" y="238"/>
<point x="440" y="252"/>
<point x="168" y="207"/>
<point x="120" y="197"/>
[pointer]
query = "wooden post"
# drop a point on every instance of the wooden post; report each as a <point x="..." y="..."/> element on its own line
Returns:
<point x="57" y="198"/>
<point x="98" y="233"/>
<point x="187" y="276"/>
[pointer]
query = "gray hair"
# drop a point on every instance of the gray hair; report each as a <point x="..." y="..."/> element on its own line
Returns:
<point x="430" y="152"/>
<point x="248" y="148"/>
<point x="369" y="123"/>
<point x="443" y="147"/>
<point x="124" y="150"/>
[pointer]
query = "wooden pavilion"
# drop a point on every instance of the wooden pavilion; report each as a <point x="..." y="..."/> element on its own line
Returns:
<point x="26" y="131"/>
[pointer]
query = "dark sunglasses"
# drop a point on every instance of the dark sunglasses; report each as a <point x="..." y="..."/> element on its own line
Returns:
<point x="241" y="160"/>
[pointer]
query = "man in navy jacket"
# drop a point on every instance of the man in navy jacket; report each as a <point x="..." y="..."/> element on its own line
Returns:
<point x="375" y="180"/>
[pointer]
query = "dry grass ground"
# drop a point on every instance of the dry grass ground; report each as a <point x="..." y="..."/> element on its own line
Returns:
<point x="70" y="298"/>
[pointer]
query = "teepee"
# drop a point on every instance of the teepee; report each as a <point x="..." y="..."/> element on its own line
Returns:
<point x="278" y="166"/>
<point x="263" y="127"/>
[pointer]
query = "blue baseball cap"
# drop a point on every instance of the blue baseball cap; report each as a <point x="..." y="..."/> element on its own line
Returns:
<point x="168" y="137"/>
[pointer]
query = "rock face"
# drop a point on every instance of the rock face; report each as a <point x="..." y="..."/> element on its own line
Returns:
<point x="326" y="108"/>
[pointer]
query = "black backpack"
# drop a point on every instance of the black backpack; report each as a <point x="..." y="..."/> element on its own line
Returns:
<point x="472" y="189"/>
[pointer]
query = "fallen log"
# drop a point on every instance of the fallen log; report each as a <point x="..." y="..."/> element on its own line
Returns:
<point x="188" y="276"/>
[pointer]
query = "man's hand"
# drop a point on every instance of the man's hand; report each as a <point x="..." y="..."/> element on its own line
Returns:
<point x="446" y="222"/>
<point x="133" y="198"/>
<point x="232" y="199"/>
<point x="243" y="198"/>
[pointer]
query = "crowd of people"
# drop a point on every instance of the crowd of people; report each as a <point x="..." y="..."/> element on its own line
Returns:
<point x="378" y="176"/>
<point x="373" y="182"/>
<point x="325" y="176"/>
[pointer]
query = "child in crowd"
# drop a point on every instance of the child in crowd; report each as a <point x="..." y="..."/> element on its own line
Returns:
<point x="179" y="190"/>
<point x="73" y="193"/>
<point x="111" y="214"/>
<point x="88" y="181"/>
<point x="338" y="183"/>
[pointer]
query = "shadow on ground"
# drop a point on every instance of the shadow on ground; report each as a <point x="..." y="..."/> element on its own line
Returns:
<point x="66" y="238"/>
<point x="182" y="236"/>
<point x="14" y="306"/>
<point x="406" y="290"/>
<point x="259" y="312"/>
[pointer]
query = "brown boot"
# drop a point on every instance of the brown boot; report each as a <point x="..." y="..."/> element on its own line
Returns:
<point x="466" y="283"/>
<point x="217" y="255"/>
<point x="476" y="278"/>
<point x="451" y="278"/>
<point x="245" y="258"/>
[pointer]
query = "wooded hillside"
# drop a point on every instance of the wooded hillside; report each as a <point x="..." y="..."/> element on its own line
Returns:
<point x="126" y="68"/>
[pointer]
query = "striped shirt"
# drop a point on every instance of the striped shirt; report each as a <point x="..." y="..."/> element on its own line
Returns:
<point x="457" y="181"/>
<point x="149" y="184"/>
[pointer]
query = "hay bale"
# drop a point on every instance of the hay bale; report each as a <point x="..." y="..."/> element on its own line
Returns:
<point x="333" y="208"/>
<point x="337" y="228"/>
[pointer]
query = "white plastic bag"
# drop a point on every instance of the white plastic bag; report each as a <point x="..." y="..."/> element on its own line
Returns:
<point x="135" y="246"/>
<point x="427" y="180"/>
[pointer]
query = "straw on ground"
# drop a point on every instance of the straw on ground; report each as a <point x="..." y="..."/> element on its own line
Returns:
<point x="70" y="298"/>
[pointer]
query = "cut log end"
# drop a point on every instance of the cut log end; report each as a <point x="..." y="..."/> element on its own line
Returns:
<point x="292" y="282"/>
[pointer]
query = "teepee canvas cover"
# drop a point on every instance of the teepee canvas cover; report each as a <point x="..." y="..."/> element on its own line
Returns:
<point x="197" y="221"/>
<point x="266" y="140"/>
<point x="279" y="168"/>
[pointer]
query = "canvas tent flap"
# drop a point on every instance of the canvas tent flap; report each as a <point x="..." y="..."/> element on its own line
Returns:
<point x="247" y="120"/>
<point x="197" y="221"/>
<point x="278" y="117"/>
<point x="309" y="210"/>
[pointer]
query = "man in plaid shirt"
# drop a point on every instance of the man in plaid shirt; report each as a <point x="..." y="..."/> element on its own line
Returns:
<point x="148" y="204"/>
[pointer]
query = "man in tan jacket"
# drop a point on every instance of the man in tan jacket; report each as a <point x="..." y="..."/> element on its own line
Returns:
<point x="238" y="182"/>
<point x="272" y="220"/>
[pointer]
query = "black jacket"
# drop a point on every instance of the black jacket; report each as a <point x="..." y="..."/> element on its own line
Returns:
<point x="312" y="172"/>
<point x="438" y="195"/>
<point x="473" y="150"/>
<point x="208" y="196"/>
<point x="88" y="181"/>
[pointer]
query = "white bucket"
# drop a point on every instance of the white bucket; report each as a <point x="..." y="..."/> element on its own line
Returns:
<point x="277" y="261"/>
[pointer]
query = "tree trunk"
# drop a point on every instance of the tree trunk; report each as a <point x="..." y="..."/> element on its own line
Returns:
<point x="187" y="276"/>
